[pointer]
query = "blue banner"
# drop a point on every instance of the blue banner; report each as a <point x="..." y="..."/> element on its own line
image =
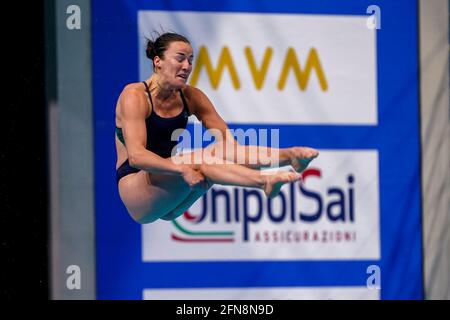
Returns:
<point x="386" y="133"/>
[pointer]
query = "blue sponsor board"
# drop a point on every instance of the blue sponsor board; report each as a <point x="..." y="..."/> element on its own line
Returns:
<point x="121" y="273"/>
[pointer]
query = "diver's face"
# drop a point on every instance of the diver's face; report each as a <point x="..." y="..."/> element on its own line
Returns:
<point x="176" y="65"/>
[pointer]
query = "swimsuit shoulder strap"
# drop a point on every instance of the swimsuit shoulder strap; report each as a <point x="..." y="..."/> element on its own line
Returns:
<point x="185" y="105"/>
<point x="148" y="92"/>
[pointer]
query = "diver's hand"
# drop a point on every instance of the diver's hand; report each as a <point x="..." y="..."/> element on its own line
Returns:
<point x="194" y="178"/>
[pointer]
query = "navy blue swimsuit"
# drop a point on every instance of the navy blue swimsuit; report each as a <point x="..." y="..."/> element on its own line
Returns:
<point x="159" y="134"/>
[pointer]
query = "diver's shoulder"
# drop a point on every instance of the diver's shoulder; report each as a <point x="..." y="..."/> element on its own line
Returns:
<point x="191" y="92"/>
<point x="134" y="87"/>
<point x="133" y="93"/>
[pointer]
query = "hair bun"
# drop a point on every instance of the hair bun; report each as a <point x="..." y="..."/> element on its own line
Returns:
<point x="157" y="47"/>
<point x="150" y="51"/>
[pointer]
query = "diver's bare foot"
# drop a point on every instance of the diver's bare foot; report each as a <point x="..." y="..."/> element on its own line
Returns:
<point x="301" y="157"/>
<point x="274" y="182"/>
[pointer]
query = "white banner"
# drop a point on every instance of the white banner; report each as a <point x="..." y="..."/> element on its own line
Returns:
<point x="275" y="293"/>
<point x="281" y="69"/>
<point x="333" y="215"/>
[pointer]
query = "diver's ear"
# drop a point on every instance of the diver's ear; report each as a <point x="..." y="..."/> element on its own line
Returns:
<point x="157" y="62"/>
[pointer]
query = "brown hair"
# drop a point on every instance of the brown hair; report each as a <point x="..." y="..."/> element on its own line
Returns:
<point x="156" y="48"/>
